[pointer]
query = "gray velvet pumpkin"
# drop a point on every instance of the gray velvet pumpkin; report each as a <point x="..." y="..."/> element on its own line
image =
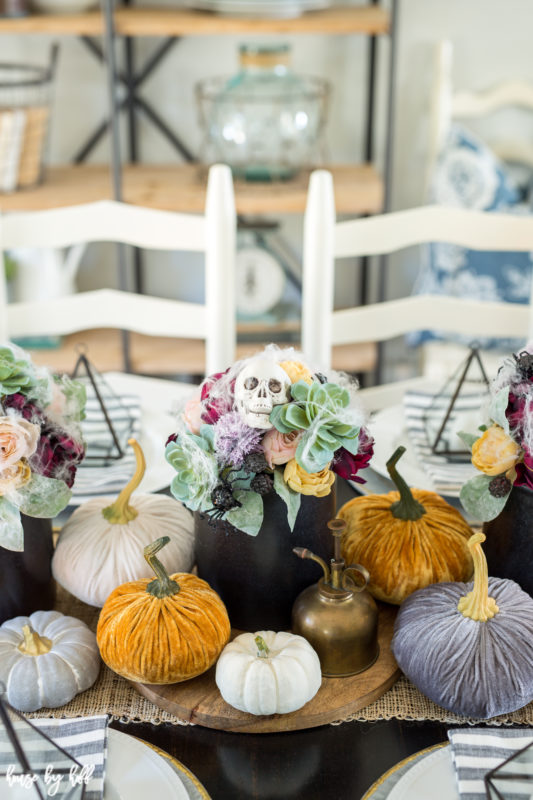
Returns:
<point x="46" y="659"/>
<point x="469" y="647"/>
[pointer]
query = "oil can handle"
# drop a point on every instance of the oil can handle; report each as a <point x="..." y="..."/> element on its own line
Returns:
<point x="354" y="585"/>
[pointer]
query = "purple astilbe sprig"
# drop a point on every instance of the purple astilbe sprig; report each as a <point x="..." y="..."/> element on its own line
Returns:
<point x="234" y="439"/>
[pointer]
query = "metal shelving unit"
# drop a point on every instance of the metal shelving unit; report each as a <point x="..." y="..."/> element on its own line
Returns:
<point x="359" y="189"/>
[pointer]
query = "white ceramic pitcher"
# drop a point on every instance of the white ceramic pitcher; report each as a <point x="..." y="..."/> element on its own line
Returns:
<point x="45" y="273"/>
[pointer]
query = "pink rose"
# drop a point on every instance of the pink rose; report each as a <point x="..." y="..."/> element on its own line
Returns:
<point x="280" y="447"/>
<point x="18" y="439"/>
<point x="192" y="414"/>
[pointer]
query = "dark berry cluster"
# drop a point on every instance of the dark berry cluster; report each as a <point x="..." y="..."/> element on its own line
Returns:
<point x="500" y="486"/>
<point x="262" y="483"/>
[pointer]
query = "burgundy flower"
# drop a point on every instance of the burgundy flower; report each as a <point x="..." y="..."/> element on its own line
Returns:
<point x="28" y="410"/>
<point x="172" y="438"/>
<point x="213" y="404"/>
<point x="346" y="466"/>
<point x="57" y="455"/>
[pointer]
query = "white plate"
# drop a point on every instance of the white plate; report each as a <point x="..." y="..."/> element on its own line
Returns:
<point x="135" y="772"/>
<point x="389" y="430"/>
<point x="159" y="402"/>
<point x="432" y="777"/>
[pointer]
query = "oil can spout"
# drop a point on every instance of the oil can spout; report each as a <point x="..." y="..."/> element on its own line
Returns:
<point x="303" y="552"/>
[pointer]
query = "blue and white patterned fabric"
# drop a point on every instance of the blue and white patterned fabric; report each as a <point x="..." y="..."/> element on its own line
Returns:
<point x="469" y="175"/>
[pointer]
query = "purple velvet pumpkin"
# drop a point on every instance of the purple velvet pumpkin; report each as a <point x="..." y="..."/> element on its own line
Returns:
<point x="469" y="647"/>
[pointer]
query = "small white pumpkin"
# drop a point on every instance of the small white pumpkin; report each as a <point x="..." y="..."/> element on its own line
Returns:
<point x="101" y="546"/>
<point x="268" y="673"/>
<point x="46" y="659"/>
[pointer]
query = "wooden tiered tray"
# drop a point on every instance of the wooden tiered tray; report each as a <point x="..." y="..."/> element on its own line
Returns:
<point x="200" y="701"/>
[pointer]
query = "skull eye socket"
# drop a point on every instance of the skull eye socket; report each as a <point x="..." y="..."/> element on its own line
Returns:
<point x="274" y="386"/>
<point x="250" y="383"/>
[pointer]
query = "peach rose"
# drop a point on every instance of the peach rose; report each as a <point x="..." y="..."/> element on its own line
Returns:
<point x="18" y="439"/>
<point x="495" y="452"/>
<point x="14" y="477"/>
<point x="192" y="414"/>
<point x="297" y="371"/>
<point x="316" y="483"/>
<point x="280" y="447"/>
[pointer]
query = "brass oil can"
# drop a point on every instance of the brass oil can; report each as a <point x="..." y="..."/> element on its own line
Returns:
<point x="337" y="616"/>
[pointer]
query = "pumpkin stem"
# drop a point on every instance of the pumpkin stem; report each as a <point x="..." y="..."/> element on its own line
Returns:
<point x="263" y="650"/>
<point x="406" y="507"/>
<point x="121" y="512"/>
<point x="33" y="644"/>
<point x="477" y="604"/>
<point x="163" y="585"/>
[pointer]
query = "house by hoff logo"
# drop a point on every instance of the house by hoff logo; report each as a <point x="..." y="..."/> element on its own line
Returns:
<point x="52" y="780"/>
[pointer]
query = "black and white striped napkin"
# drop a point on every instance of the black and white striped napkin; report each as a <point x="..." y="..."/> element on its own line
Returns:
<point x="424" y="413"/>
<point x="83" y="738"/>
<point x="101" y="474"/>
<point x="476" y="751"/>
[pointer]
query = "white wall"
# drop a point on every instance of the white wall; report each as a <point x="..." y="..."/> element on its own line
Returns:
<point x="492" y="41"/>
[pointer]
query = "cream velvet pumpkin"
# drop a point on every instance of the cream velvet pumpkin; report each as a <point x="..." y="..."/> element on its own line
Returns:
<point x="101" y="545"/>
<point x="268" y="673"/>
<point x="46" y="659"/>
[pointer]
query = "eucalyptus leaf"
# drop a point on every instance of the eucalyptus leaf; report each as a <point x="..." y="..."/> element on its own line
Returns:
<point x="497" y="408"/>
<point x="478" y="501"/>
<point x="291" y="498"/>
<point x="249" y="516"/>
<point x="467" y="438"/>
<point x="43" y="497"/>
<point x="11" y="531"/>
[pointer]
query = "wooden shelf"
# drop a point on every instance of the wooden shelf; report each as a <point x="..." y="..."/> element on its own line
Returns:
<point x="370" y="20"/>
<point x="358" y="190"/>
<point x="152" y="355"/>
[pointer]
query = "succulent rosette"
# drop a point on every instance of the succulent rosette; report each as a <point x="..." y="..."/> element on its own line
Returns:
<point x="503" y="449"/>
<point x="40" y="442"/>
<point x="268" y="424"/>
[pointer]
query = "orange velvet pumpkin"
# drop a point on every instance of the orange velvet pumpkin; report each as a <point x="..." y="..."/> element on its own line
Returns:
<point x="164" y="630"/>
<point x="406" y="539"/>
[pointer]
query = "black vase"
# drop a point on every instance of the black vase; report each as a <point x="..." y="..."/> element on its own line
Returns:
<point x="259" y="577"/>
<point x="509" y="543"/>
<point x="26" y="583"/>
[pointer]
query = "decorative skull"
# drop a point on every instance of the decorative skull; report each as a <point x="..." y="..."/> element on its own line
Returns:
<point x="260" y="386"/>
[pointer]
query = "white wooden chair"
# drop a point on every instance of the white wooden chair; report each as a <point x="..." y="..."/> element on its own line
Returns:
<point x="325" y="240"/>
<point x="449" y="104"/>
<point x="213" y="234"/>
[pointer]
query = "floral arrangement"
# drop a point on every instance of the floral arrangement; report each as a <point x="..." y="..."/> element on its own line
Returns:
<point x="269" y="423"/>
<point x="40" y="442"/>
<point x="503" y="450"/>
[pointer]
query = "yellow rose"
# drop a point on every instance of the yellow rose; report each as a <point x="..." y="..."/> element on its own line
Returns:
<point x="316" y="483"/>
<point x="14" y="477"/>
<point x="495" y="452"/>
<point x="297" y="371"/>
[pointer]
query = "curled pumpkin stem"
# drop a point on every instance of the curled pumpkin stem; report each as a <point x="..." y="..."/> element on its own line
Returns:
<point x="121" y="512"/>
<point x="477" y="604"/>
<point x="406" y="507"/>
<point x="163" y="585"/>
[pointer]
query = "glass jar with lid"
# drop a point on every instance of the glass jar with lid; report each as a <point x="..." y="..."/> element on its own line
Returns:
<point x="266" y="122"/>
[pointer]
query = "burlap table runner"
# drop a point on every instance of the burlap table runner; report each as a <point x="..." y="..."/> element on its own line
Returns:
<point x="111" y="694"/>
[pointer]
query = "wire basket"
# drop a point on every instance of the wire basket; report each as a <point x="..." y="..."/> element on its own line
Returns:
<point x="25" y="99"/>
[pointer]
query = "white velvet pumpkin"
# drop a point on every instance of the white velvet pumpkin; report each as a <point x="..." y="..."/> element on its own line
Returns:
<point x="101" y="546"/>
<point x="268" y="673"/>
<point x="46" y="659"/>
